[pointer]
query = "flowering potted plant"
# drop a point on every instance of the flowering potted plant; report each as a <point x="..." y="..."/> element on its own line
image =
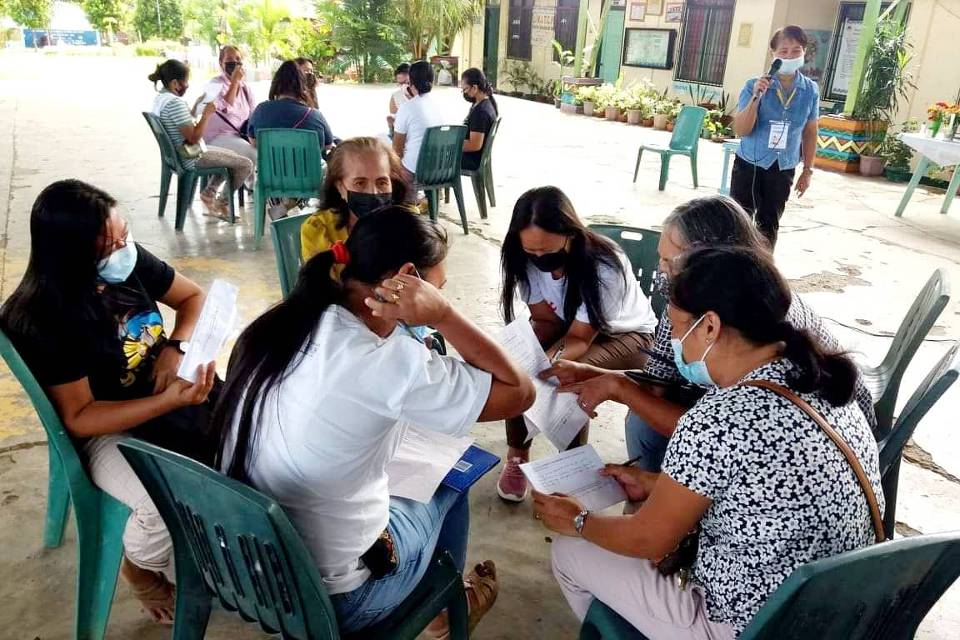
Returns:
<point x="937" y="114"/>
<point x="661" y="113"/>
<point x="588" y="96"/>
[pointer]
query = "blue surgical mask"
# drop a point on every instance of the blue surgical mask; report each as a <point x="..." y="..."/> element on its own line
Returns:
<point x="694" y="372"/>
<point x="118" y="266"/>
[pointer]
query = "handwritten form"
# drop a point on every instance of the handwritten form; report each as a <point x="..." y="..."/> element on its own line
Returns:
<point x="556" y="415"/>
<point x="575" y="473"/>
<point x="422" y="461"/>
<point x="217" y="319"/>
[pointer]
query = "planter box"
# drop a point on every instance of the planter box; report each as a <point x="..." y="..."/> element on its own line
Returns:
<point x="612" y="113"/>
<point x="633" y="116"/>
<point x="660" y="121"/>
<point x="840" y="141"/>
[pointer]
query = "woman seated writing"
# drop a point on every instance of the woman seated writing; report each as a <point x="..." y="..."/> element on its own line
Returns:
<point x="289" y="107"/>
<point x="714" y="221"/>
<point x="770" y="490"/>
<point x="320" y="390"/>
<point x="483" y="113"/>
<point x="363" y="174"/>
<point x="86" y="321"/>
<point x="584" y="302"/>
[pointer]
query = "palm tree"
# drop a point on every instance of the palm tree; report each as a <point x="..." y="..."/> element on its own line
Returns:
<point x="429" y="21"/>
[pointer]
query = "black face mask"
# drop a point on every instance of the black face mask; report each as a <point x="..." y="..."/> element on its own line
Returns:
<point x="230" y="67"/>
<point x="183" y="90"/>
<point x="549" y="261"/>
<point x="311" y="80"/>
<point x="363" y="203"/>
<point x="469" y="98"/>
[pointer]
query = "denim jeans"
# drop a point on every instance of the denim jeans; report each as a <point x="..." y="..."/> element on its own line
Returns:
<point x="644" y="442"/>
<point x="417" y="530"/>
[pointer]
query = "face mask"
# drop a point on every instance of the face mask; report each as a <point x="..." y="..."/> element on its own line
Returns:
<point x="790" y="66"/>
<point x="469" y="98"/>
<point x="311" y="80"/>
<point x="661" y="283"/>
<point x="549" y="261"/>
<point x="183" y="90"/>
<point x="363" y="203"/>
<point x="118" y="266"/>
<point x="230" y="67"/>
<point x="694" y="372"/>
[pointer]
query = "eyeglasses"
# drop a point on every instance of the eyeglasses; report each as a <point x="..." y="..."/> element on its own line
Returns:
<point x="119" y="243"/>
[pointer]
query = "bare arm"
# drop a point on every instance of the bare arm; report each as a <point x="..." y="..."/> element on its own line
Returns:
<point x="810" y="131"/>
<point x="399" y="142"/>
<point x="576" y="342"/>
<point x="474" y="142"/>
<point x="193" y="132"/>
<point x="186" y="298"/>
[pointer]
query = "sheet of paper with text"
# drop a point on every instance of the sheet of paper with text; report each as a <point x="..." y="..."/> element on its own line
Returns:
<point x="217" y="320"/>
<point x="575" y="473"/>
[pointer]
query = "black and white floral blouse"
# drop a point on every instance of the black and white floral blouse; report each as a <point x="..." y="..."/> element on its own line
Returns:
<point x="782" y="493"/>
<point x="800" y="316"/>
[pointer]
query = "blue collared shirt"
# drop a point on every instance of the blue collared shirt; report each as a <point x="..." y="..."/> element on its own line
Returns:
<point x="803" y="107"/>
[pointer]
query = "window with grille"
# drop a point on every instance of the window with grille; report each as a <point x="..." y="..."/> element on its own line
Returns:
<point x="565" y="24"/>
<point x="518" y="34"/>
<point x="705" y="40"/>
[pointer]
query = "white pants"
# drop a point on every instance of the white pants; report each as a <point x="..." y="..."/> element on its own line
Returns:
<point x="146" y="541"/>
<point x="238" y="145"/>
<point x="632" y="587"/>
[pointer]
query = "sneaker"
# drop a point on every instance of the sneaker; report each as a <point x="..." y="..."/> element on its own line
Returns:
<point x="512" y="485"/>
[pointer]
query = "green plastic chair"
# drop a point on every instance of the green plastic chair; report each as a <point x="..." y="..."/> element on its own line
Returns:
<point x="288" y="166"/>
<point x="187" y="179"/>
<point x="482" y="176"/>
<point x="880" y="592"/>
<point x="100" y="519"/>
<point x="940" y="378"/>
<point x="683" y="142"/>
<point x="883" y="381"/>
<point x="640" y="245"/>
<point x="286" y="246"/>
<point x="438" y="167"/>
<point x="236" y="544"/>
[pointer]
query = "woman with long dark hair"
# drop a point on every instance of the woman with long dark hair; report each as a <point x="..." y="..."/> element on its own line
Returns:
<point x="768" y="487"/>
<point x="478" y="91"/>
<point x="310" y="80"/>
<point x="85" y="318"/>
<point x="290" y="107"/>
<point x="321" y="388"/>
<point x="584" y="302"/>
<point x="363" y="174"/>
<point x="713" y="221"/>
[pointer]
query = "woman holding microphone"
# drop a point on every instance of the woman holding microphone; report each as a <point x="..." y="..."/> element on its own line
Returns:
<point x="777" y="121"/>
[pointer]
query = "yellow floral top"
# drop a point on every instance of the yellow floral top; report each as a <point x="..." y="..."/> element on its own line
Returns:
<point x="319" y="232"/>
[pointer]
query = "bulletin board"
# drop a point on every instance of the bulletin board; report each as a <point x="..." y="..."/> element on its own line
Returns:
<point x="649" y="48"/>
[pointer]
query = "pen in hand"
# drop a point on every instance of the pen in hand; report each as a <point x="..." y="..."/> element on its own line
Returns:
<point x="557" y="354"/>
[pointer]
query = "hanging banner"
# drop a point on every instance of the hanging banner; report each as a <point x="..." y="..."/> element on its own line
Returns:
<point x="846" y="56"/>
<point x="541" y="29"/>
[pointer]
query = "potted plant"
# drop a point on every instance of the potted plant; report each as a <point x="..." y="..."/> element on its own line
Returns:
<point x="897" y="157"/>
<point x="588" y="97"/>
<point x="675" y="106"/>
<point x="632" y="105"/>
<point x="607" y="97"/>
<point x="661" y="113"/>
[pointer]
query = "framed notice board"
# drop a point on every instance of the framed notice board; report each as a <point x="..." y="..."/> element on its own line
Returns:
<point x="650" y="48"/>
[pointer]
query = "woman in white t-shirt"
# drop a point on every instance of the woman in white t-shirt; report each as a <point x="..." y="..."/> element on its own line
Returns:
<point x="415" y="117"/>
<point x="584" y="301"/>
<point x="322" y="387"/>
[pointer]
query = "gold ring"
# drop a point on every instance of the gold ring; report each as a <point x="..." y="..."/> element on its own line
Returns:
<point x="400" y="285"/>
<point x="396" y="297"/>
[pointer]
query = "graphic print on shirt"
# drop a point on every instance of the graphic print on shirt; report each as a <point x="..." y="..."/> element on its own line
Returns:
<point x="139" y="329"/>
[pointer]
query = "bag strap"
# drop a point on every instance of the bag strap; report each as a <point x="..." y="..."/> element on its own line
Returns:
<point x="224" y="118"/>
<point x="837" y="440"/>
<point x="300" y="121"/>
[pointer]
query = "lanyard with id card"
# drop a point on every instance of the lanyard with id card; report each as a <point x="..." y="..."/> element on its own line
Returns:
<point x="778" y="134"/>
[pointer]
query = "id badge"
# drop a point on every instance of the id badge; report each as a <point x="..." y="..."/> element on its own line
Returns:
<point x="778" y="134"/>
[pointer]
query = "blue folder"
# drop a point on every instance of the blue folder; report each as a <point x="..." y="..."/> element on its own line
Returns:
<point x="472" y="465"/>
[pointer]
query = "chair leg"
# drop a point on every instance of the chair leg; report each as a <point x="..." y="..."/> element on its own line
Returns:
<point x="229" y="187"/>
<point x="488" y="181"/>
<point x="458" y="194"/>
<point x="636" y="169"/>
<point x="165" y="174"/>
<point x="186" y="189"/>
<point x="693" y="169"/>
<point x="664" y="170"/>
<point x="240" y="191"/>
<point x="100" y="549"/>
<point x="457" y="616"/>
<point x="478" y="190"/>
<point x="890" y="482"/>
<point x="259" y="213"/>
<point x="58" y="503"/>
<point x="446" y="195"/>
<point x="192" y="612"/>
<point x="433" y="202"/>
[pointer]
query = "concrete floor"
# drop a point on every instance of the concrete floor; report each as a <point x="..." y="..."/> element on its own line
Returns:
<point x="72" y="116"/>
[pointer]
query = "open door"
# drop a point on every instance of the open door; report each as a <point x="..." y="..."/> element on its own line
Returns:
<point x="611" y="48"/>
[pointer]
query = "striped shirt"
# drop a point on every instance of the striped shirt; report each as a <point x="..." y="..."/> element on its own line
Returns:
<point x="173" y="113"/>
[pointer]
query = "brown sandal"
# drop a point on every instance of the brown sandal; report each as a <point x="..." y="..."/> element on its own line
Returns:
<point x="152" y="590"/>
<point x="481" y="589"/>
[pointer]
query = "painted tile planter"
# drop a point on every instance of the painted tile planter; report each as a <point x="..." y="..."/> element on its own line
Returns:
<point x="840" y="141"/>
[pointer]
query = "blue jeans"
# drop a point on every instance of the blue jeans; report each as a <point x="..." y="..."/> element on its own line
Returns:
<point x="417" y="530"/>
<point x="645" y="443"/>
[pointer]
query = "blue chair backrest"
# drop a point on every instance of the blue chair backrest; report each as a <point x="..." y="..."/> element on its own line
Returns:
<point x="286" y="245"/>
<point x="687" y="128"/>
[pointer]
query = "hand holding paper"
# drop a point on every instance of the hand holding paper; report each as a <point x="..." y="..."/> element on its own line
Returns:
<point x="217" y="319"/>
<point x="575" y="473"/>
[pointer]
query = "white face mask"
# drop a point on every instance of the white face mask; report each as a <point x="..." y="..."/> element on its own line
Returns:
<point x="790" y="66"/>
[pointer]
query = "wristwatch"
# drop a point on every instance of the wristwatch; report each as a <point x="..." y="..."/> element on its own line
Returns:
<point x="179" y="345"/>
<point x="579" y="520"/>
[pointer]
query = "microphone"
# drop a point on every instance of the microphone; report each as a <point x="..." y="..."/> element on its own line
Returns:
<point x="774" y="67"/>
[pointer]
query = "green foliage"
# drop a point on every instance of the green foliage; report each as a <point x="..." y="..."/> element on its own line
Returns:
<point x="154" y="48"/>
<point x="262" y="26"/>
<point x="523" y="78"/>
<point x="33" y="14"/>
<point x="885" y="79"/>
<point x="365" y="34"/>
<point x="563" y="58"/>
<point x="895" y="153"/>
<point x="169" y="25"/>
<point x="206" y="21"/>
<point x="425" y="22"/>
<point x="106" y="15"/>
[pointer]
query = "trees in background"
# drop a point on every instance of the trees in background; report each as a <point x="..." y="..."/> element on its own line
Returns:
<point x="429" y="23"/>
<point x="365" y="33"/>
<point x="33" y="14"/>
<point x="158" y="19"/>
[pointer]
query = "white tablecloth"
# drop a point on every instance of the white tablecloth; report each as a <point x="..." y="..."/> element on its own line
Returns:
<point x="944" y="153"/>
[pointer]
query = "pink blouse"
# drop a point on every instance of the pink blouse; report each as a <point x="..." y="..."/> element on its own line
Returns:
<point x="237" y="113"/>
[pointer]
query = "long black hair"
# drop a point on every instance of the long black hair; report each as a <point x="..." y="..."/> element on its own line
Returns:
<point x="66" y="244"/>
<point x="475" y="78"/>
<point x="744" y="288"/>
<point x="289" y="81"/>
<point x="549" y="209"/>
<point x="421" y="77"/>
<point x="715" y="221"/>
<point x="379" y="244"/>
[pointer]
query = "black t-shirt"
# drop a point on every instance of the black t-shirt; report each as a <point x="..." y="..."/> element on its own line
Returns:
<point x="481" y="117"/>
<point x="116" y="352"/>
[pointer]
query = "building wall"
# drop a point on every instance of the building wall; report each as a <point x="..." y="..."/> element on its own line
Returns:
<point x="933" y="29"/>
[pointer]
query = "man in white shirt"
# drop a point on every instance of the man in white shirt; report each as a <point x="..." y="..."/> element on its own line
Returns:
<point x="415" y="117"/>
